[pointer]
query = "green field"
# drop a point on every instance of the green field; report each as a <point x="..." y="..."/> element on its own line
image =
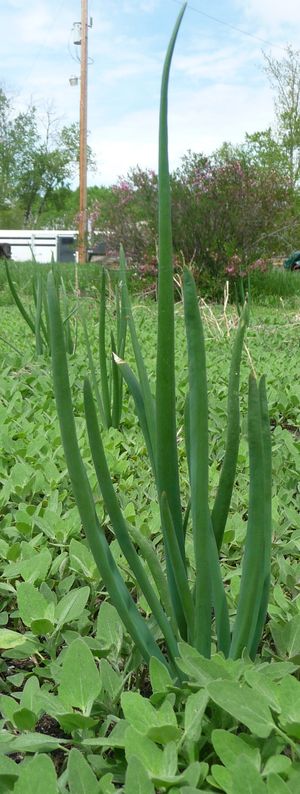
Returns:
<point x="80" y="711"/>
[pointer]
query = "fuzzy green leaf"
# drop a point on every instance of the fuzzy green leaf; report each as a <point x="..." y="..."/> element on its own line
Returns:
<point x="80" y="682"/>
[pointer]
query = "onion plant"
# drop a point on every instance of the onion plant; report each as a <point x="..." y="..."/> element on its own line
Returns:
<point x="37" y="317"/>
<point x="108" y="391"/>
<point x="181" y="610"/>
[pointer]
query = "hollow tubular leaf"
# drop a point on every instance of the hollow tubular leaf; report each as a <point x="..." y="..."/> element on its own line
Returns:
<point x="219" y="601"/>
<point x="67" y="324"/>
<point x="198" y="452"/>
<point x="179" y="569"/>
<point x="118" y="347"/>
<point x="110" y="574"/>
<point x="116" y="377"/>
<point x="227" y="476"/>
<point x="38" y="291"/>
<point x="118" y="521"/>
<point x="38" y="316"/>
<point x="150" y="556"/>
<point x="267" y="456"/>
<point x="253" y="568"/>
<point x="139" y="360"/>
<point x="93" y="372"/>
<point x="47" y="326"/>
<point x="102" y="352"/>
<point x="121" y="317"/>
<point x="167" y="459"/>
<point x="17" y="300"/>
<point x="137" y="394"/>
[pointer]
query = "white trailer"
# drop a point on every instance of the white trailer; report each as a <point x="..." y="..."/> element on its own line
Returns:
<point x="40" y="245"/>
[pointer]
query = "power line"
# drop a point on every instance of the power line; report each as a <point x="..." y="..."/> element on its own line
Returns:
<point x="229" y="25"/>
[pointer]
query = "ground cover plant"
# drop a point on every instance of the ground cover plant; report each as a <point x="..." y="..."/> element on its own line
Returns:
<point x="81" y="710"/>
<point x="52" y="594"/>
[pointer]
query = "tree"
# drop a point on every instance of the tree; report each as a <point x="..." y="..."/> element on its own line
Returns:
<point x="231" y="202"/>
<point x="33" y="166"/>
<point x="127" y="211"/>
<point x="234" y="202"/>
<point x="284" y="76"/>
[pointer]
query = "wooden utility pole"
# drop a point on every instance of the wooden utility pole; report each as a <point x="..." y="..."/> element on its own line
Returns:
<point x="82" y="227"/>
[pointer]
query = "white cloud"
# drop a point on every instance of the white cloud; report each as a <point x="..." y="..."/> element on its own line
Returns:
<point x="272" y="12"/>
<point x="217" y="63"/>
<point x="132" y="6"/>
<point x="129" y="59"/>
<point x="34" y="23"/>
<point x="130" y="142"/>
<point x="200" y="120"/>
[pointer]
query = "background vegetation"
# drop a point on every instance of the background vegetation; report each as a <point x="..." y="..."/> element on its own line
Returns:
<point x="238" y="201"/>
<point x="55" y="616"/>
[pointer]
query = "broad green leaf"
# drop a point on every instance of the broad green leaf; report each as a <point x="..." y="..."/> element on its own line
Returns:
<point x="35" y="568"/>
<point x="264" y="686"/>
<point x="10" y="639"/>
<point x="111" y="681"/>
<point x="200" y="669"/>
<point x="115" y="739"/>
<point x="24" y="650"/>
<point x="193" y="715"/>
<point x="8" y="766"/>
<point x="8" y="706"/>
<point x="20" y="474"/>
<point x="32" y="605"/>
<point x="159" y="676"/>
<point x="24" y="719"/>
<point x="80" y="682"/>
<point x="170" y="757"/>
<point x="158" y="724"/>
<point x="41" y="627"/>
<point x="229" y="747"/>
<point x="81" y="560"/>
<point x="9" y="772"/>
<point x="74" y="721"/>
<point x="109" y="627"/>
<point x="35" y="743"/>
<point x="289" y="699"/>
<point x="277" y="764"/>
<point x="81" y="778"/>
<point x="137" y="779"/>
<point x="36" y="776"/>
<point x="71" y="605"/>
<point x="286" y="636"/>
<point x="275" y="671"/>
<point x="195" y="773"/>
<point x="106" y="785"/>
<point x="246" y="779"/>
<point x="50" y="704"/>
<point x="188" y="790"/>
<point x="244" y="705"/>
<point x="30" y="694"/>
<point x="145" y="750"/>
<point x="276" y="785"/>
<point x="222" y="777"/>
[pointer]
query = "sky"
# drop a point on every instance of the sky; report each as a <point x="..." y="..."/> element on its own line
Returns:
<point x="218" y="87"/>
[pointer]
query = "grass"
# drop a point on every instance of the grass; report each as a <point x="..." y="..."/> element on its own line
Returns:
<point x="275" y="286"/>
<point x="268" y="289"/>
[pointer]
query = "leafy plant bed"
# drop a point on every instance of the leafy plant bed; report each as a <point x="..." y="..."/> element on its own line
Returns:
<point x="55" y="614"/>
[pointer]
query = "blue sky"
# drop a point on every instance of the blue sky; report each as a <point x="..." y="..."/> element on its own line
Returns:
<point x="218" y="88"/>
